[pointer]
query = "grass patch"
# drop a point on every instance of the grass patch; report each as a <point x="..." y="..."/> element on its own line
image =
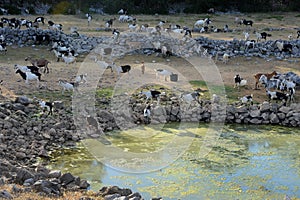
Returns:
<point x="229" y="91"/>
<point x="278" y="17"/>
<point x="104" y="92"/>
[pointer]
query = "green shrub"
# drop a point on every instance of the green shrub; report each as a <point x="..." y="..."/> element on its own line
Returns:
<point x="64" y="7"/>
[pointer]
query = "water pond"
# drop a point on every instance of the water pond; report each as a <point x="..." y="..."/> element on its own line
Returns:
<point x="240" y="162"/>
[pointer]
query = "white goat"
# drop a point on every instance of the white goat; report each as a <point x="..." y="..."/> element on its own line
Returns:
<point x="133" y="27"/>
<point x="69" y="59"/>
<point x="67" y="86"/>
<point x="247" y="36"/>
<point x="225" y="58"/>
<point x="81" y="78"/>
<point x="162" y="72"/>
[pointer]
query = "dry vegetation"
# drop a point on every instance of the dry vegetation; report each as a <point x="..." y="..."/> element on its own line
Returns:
<point x="35" y="196"/>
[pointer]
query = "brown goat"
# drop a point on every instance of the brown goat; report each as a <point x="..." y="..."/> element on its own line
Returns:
<point x="39" y="63"/>
<point x="258" y="75"/>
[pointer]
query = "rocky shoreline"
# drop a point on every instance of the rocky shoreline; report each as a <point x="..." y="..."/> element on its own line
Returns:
<point x="28" y="135"/>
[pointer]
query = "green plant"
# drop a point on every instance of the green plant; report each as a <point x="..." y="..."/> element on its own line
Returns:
<point x="64" y="7"/>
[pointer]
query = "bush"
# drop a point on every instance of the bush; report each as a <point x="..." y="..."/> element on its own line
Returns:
<point x="64" y="7"/>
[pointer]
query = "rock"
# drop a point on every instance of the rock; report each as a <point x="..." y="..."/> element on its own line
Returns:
<point x="5" y="194"/>
<point x="66" y="178"/>
<point x="114" y="190"/>
<point x="47" y="187"/>
<point x="23" y="100"/>
<point x="22" y="175"/>
<point x="54" y="174"/>
<point x="112" y="196"/>
<point x="274" y="118"/>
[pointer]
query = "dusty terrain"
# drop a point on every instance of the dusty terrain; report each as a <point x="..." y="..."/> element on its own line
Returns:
<point x="246" y="67"/>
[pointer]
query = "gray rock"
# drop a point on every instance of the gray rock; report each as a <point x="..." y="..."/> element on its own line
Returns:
<point x="5" y="194"/>
<point x="66" y="178"/>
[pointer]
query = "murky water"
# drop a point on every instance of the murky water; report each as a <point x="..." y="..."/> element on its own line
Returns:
<point x="240" y="162"/>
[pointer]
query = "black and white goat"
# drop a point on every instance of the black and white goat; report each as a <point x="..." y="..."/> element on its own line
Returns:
<point x="147" y="114"/>
<point x="202" y="22"/>
<point x="151" y="94"/>
<point x="41" y="39"/>
<point x="278" y="96"/>
<point x="121" y="69"/>
<point x="271" y="83"/>
<point x="247" y="99"/>
<point x="45" y="105"/>
<point x="32" y="69"/>
<point x="283" y="47"/>
<point x="3" y="47"/>
<point x="194" y="96"/>
<point x="262" y="35"/>
<point x="54" y="26"/>
<point x="109" y="23"/>
<point x="28" y="76"/>
<point x="40" y="19"/>
<point x="238" y="81"/>
<point x="247" y="22"/>
<point x="89" y="18"/>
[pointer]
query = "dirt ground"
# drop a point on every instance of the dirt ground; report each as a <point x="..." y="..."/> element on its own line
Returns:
<point x="246" y="67"/>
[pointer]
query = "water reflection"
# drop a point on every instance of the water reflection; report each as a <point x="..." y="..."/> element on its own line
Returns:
<point x="248" y="162"/>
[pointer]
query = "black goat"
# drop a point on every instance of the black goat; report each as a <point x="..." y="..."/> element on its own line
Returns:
<point x="247" y="22"/>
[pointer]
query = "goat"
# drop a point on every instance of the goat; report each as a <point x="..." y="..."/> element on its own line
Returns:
<point x="187" y="32"/>
<point x="284" y="47"/>
<point x="147" y="114"/>
<point x="285" y="84"/>
<point x="40" y="19"/>
<point x="247" y="36"/>
<point x="258" y="75"/>
<point x="89" y="18"/>
<point x="2" y="39"/>
<point x="162" y="72"/>
<point x="247" y="22"/>
<point x="133" y="27"/>
<point x="269" y="83"/>
<point x="246" y="99"/>
<point x="42" y="62"/>
<point x="122" y="11"/>
<point x="54" y="26"/>
<point x="81" y="78"/>
<point x="3" y="47"/>
<point x="225" y="58"/>
<point x="190" y="97"/>
<point x="27" y="76"/>
<point x="298" y="34"/>
<point x="202" y="22"/>
<point x="277" y="96"/>
<point x="262" y="35"/>
<point x="238" y="81"/>
<point x="109" y="23"/>
<point x="45" y="105"/>
<point x="151" y="94"/>
<point x="121" y="69"/>
<point x="69" y="59"/>
<point x="67" y="86"/>
<point x="32" y="69"/>
<point x="40" y="39"/>
<point x="292" y="94"/>
<point x="249" y="44"/>
<point x="116" y="34"/>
